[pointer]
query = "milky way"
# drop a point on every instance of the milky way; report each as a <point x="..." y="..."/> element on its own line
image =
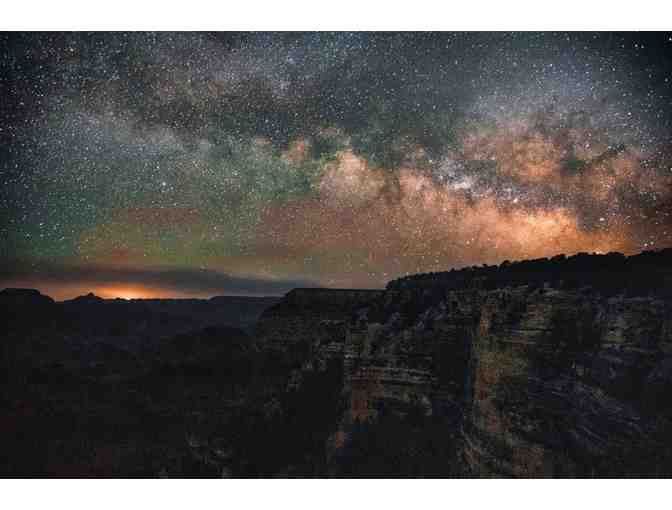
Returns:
<point x="202" y="164"/>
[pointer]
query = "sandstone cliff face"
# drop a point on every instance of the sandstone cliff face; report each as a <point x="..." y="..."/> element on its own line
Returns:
<point x="562" y="384"/>
<point x="531" y="381"/>
<point x="544" y="382"/>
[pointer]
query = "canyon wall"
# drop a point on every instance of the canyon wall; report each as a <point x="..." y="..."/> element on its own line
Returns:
<point x="538" y="380"/>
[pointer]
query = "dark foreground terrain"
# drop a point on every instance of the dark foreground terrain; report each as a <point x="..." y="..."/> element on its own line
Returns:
<point x="545" y="368"/>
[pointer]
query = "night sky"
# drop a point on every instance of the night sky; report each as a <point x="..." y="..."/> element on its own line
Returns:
<point x="187" y="164"/>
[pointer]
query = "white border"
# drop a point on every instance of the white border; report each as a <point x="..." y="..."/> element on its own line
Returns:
<point x="337" y="15"/>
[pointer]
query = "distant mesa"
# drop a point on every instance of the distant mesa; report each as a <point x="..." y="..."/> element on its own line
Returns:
<point x="14" y="296"/>
<point x="24" y="309"/>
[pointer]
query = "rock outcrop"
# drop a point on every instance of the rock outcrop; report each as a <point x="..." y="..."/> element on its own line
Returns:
<point x="311" y="322"/>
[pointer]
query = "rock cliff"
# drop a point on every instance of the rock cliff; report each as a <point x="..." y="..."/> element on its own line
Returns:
<point x="564" y="374"/>
<point x="311" y="322"/>
<point x="544" y="368"/>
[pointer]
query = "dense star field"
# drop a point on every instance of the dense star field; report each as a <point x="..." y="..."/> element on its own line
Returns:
<point x="186" y="164"/>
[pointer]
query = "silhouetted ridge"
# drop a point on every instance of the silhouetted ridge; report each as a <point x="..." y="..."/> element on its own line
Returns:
<point x="645" y="273"/>
<point x="328" y="302"/>
<point x="25" y="309"/>
<point x="88" y="298"/>
<point x="15" y="296"/>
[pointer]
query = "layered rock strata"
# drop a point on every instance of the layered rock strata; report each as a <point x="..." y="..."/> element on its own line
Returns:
<point x="539" y="380"/>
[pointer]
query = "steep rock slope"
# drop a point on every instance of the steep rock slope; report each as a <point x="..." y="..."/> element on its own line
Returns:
<point x="556" y="368"/>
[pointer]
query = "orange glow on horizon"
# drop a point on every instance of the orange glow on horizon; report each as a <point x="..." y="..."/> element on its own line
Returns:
<point x="126" y="292"/>
<point x="64" y="292"/>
